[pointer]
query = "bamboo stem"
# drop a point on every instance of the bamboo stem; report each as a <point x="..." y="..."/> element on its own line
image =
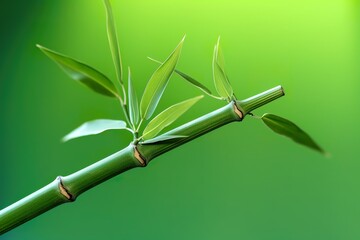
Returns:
<point x="192" y="130"/>
<point x="67" y="189"/>
<point x="260" y="99"/>
<point x="31" y="206"/>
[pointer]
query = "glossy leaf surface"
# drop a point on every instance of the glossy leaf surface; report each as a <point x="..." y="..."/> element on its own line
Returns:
<point x="133" y="102"/>
<point x="83" y="73"/>
<point x="193" y="82"/>
<point x="221" y="81"/>
<point x="95" y="127"/>
<point x="157" y="83"/>
<point x="189" y="79"/>
<point x="113" y="40"/>
<point x="287" y="128"/>
<point x="167" y="117"/>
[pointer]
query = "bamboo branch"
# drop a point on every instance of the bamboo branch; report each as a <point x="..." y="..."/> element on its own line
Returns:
<point x="68" y="188"/>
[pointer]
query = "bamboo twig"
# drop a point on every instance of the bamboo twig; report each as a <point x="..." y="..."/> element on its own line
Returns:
<point x="67" y="189"/>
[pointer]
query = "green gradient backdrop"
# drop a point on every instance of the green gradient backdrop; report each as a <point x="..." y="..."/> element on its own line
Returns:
<point x="239" y="182"/>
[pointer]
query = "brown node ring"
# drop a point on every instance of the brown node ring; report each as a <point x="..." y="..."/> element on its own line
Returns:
<point x="63" y="190"/>
<point x="138" y="156"/>
<point x="238" y="112"/>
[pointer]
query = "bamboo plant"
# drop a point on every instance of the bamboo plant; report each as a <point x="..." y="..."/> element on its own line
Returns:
<point x="149" y="139"/>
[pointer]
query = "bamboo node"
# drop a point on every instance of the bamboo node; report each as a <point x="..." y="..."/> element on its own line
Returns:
<point x="238" y="112"/>
<point x="63" y="190"/>
<point x="138" y="156"/>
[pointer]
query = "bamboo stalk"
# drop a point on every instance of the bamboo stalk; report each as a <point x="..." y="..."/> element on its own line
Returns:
<point x="67" y="189"/>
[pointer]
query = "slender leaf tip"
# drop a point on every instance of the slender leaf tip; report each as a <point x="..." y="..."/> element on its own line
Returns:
<point x="157" y="83"/>
<point x="133" y="109"/>
<point x="289" y="129"/>
<point x="183" y="39"/>
<point x="82" y="72"/>
<point x="95" y="127"/>
<point x="40" y="46"/>
<point x="113" y="43"/>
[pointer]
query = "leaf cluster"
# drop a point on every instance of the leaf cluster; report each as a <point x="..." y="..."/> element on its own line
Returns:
<point x="136" y="113"/>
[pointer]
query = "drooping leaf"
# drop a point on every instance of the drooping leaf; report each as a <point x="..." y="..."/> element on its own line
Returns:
<point x="83" y="73"/>
<point x="188" y="78"/>
<point x="113" y="40"/>
<point x="162" y="139"/>
<point x="287" y="128"/>
<point x="95" y="127"/>
<point x="133" y="102"/>
<point x="221" y="81"/>
<point x="157" y="83"/>
<point x="168" y="116"/>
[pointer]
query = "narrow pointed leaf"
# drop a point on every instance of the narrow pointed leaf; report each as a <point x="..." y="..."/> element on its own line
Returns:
<point x="193" y="82"/>
<point x="221" y="81"/>
<point x="95" y="127"/>
<point x="188" y="79"/>
<point x="220" y="56"/>
<point x="163" y="139"/>
<point x="222" y="85"/>
<point x="167" y="117"/>
<point x="83" y="73"/>
<point x="113" y="40"/>
<point x="133" y="103"/>
<point x="157" y="83"/>
<point x="287" y="128"/>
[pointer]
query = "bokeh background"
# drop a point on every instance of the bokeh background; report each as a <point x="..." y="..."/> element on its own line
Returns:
<point x="238" y="182"/>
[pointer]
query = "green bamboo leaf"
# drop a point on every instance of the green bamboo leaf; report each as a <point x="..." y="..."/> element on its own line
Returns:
<point x="162" y="139"/>
<point x="83" y="73"/>
<point x="113" y="40"/>
<point x="220" y="56"/>
<point x="167" y="117"/>
<point x="222" y="84"/>
<point x="133" y="103"/>
<point x="188" y="78"/>
<point x="287" y="128"/>
<point x="193" y="82"/>
<point x="95" y="127"/>
<point x="157" y="83"/>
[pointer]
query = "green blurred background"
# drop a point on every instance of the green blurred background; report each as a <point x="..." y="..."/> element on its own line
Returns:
<point x="238" y="182"/>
